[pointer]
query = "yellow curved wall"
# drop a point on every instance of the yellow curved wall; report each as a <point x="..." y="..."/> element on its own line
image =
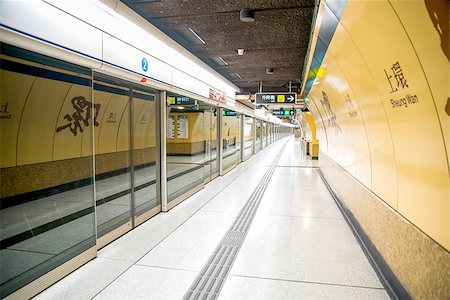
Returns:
<point x="379" y="102"/>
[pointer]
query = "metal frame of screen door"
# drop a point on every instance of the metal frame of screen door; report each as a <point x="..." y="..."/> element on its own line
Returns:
<point x="241" y="137"/>
<point x="161" y="149"/>
<point x="219" y="141"/>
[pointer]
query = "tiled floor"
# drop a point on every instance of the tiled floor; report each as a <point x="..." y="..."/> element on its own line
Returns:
<point x="298" y="247"/>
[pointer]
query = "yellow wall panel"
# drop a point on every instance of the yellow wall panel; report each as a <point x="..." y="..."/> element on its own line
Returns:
<point x="427" y="26"/>
<point x="69" y="130"/>
<point x="140" y="122"/>
<point x="103" y="99"/>
<point x="395" y="70"/>
<point x="351" y="119"/>
<point x="109" y="126"/>
<point x="39" y="119"/>
<point x="358" y="76"/>
<point x="409" y="105"/>
<point x="14" y="90"/>
<point x="123" y="132"/>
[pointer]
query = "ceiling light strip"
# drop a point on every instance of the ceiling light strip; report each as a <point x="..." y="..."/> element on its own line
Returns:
<point x="195" y="33"/>
<point x="222" y="60"/>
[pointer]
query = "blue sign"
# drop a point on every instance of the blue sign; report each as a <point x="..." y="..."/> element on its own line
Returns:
<point x="144" y="64"/>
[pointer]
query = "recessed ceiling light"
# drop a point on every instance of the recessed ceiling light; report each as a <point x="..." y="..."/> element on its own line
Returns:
<point x="247" y="15"/>
<point x="240" y="51"/>
<point x="269" y="71"/>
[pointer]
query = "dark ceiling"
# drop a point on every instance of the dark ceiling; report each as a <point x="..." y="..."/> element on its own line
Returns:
<point x="278" y="38"/>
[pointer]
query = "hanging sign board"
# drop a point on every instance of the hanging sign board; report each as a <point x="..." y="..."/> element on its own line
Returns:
<point x="275" y="98"/>
<point x="217" y="95"/>
<point x="181" y="100"/>
<point x="283" y="113"/>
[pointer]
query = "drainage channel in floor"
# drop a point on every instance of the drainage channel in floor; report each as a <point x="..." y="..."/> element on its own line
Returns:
<point x="211" y="278"/>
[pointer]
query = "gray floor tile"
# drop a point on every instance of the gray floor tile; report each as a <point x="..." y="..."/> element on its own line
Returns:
<point x="87" y="281"/>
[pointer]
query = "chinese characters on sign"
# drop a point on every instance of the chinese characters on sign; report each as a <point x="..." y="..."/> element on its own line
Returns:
<point x="4" y="113"/>
<point x="81" y="115"/>
<point x="350" y="107"/>
<point x="270" y="98"/>
<point x="170" y="127"/>
<point x="330" y="114"/>
<point x="397" y="81"/>
<point x="217" y="96"/>
<point x="183" y="127"/>
<point x="112" y="118"/>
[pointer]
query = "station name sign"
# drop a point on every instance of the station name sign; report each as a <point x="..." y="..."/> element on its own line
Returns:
<point x="275" y="98"/>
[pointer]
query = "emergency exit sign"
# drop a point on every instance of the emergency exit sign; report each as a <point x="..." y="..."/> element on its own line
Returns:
<point x="275" y="98"/>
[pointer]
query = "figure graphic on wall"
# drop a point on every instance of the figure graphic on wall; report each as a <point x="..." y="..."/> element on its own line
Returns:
<point x="81" y="115"/>
<point x="331" y="116"/>
<point x="438" y="10"/>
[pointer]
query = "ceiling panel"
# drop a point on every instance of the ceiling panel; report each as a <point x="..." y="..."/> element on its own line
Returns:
<point x="278" y="38"/>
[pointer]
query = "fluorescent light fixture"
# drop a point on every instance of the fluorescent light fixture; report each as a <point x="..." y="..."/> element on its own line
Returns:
<point x="222" y="60"/>
<point x="195" y="33"/>
<point x="180" y="107"/>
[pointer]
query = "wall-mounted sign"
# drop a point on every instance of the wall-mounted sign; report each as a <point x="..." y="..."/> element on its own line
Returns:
<point x="183" y="127"/>
<point x="217" y="95"/>
<point x="144" y="64"/>
<point x="170" y="127"/>
<point x="181" y="100"/>
<point x="275" y="98"/>
<point x="229" y="113"/>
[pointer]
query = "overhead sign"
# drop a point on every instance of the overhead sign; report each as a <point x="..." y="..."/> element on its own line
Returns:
<point x="181" y="100"/>
<point x="283" y="113"/>
<point x="229" y="113"/>
<point x="275" y="98"/>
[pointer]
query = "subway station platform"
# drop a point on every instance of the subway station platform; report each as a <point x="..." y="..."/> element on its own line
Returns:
<point x="268" y="229"/>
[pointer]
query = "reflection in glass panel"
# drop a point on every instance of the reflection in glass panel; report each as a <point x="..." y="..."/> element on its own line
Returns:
<point x="46" y="213"/>
<point x="231" y="138"/>
<point x="185" y="146"/>
<point x="248" y="137"/>
<point x="144" y="151"/>
<point x="112" y="155"/>
<point x="210" y="138"/>
<point x="258" y="136"/>
<point x="264" y="134"/>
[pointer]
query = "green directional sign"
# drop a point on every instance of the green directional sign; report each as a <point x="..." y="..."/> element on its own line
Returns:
<point x="283" y="113"/>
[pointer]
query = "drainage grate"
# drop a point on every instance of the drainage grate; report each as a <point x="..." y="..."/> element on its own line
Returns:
<point x="211" y="278"/>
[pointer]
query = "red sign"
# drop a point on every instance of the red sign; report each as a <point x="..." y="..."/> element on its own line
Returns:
<point x="217" y="96"/>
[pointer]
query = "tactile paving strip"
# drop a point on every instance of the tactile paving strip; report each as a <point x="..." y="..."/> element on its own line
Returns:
<point x="211" y="278"/>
